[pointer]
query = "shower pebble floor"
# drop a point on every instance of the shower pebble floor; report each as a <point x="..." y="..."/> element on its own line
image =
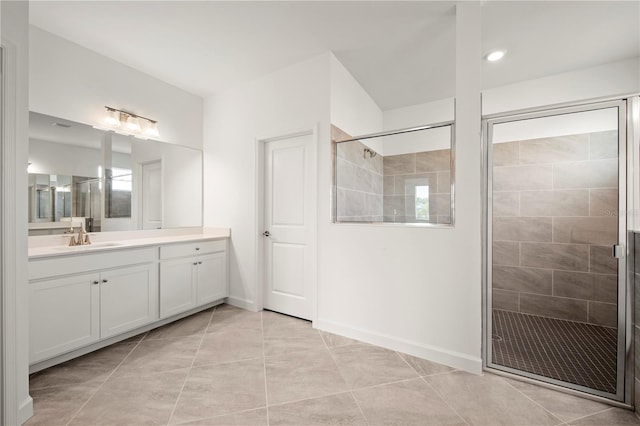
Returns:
<point x="227" y="366"/>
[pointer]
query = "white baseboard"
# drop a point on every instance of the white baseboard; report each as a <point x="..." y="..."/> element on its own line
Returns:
<point x="447" y="357"/>
<point x="25" y="411"/>
<point x="249" y="305"/>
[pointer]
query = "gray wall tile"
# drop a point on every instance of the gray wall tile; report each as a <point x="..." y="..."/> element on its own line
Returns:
<point x="555" y="203"/>
<point x="586" y="174"/>
<point x="389" y="185"/>
<point x="604" y="144"/>
<point x="520" y="178"/>
<point x="506" y="204"/>
<point x="526" y="280"/>
<point x="433" y="161"/>
<point x="505" y="300"/>
<point x="585" y="230"/>
<point x="505" y="154"/>
<point x="440" y="205"/>
<point x="603" y="314"/>
<point x="555" y="150"/>
<point x="393" y="205"/>
<point x="576" y="285"/>
<point x="399" y="164"/>
<point x="522" y="229"/>
<point x="444" y="182"/>
<point x="602" y="262"/>
<point x="603" y="202"/>
<point x="606" y="289"/>
<point x="406" y="184"/>
<point x="555" y="307"/>
<point x="506" y="253"/>
<point x="568" y="257"/>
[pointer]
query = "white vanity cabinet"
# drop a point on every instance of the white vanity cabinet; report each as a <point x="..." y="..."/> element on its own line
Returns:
<point x="77" y="300"/>
<point x="191" y="275"/>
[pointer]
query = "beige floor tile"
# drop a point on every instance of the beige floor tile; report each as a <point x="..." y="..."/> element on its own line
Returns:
<point x="302" y="375"/>
<point x="95" y="366"/>
<point x="226" y="318"/>
<point x="192" y="325"/>
<point x="333" y="340"/>
<point x="230" y="345"/>
<point x="283" y="334"/>
<point x="338" y="409"/>
<point x="56" y="406"/>
<point x="365" y="365"/>
<point x="488" y="400"/>
<point x="246" y="418"/>
<point x="424" y="367"/>
<point x="143" y="399"/>
<point x="610" y="417"/>
<point x="221" y="389"/>
<point x="161" y="355"/>
<point x="412" y="402"/>
<point x="564" y="406"/>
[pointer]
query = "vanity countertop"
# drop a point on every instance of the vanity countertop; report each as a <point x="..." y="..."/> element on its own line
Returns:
<point x="120" y="241"/>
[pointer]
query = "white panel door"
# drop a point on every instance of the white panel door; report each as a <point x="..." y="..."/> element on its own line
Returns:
<point x="152" y="195"/>
<point x="128" y="299"/>
<point x="288" y="226"/>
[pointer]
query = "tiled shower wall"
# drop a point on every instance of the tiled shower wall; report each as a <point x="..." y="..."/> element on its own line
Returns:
<point x="403" y="173"/>
<point x="358" y="181"/>
<point x="555" y="220"/>
<point x="636" y="320"/>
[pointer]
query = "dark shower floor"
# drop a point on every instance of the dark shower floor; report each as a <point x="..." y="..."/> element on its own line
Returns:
<point x="570" y="351"/>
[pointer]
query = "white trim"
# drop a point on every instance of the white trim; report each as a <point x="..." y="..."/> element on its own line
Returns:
<point x="443" y="356"/>
<point x="238" y="302"/>
<point x="259" y="208"/>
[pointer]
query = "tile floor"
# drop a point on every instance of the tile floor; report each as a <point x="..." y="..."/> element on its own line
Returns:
<point x="226" y="366"/>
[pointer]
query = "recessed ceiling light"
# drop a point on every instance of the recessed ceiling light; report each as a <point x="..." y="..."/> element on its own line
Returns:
<point x="495" y="55"/>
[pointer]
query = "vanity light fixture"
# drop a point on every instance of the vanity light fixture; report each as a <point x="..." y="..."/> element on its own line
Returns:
<point x="130" y="124"/>
<point x="495" y="55"/>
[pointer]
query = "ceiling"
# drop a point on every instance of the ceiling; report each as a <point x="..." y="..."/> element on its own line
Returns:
<point x="401" y="52"/>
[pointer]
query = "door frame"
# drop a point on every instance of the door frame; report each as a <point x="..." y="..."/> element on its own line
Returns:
<point x="260" y="251"/>
<point x="627" y="164"/>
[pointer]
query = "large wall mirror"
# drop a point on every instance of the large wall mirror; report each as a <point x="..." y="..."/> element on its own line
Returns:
<point x="80" y="176"/>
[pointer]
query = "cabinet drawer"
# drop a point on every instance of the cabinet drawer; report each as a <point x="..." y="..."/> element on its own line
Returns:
<point x="79" y="263"/>
<point x="169" y="251"/>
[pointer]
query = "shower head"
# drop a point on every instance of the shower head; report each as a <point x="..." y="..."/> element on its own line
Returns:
<point x="371" y="153"/>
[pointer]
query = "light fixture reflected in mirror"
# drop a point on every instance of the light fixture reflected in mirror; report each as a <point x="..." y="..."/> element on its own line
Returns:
<point x="128" y="123"/>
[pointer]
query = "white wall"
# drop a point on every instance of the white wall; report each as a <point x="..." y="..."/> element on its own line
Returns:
<point x="618" y="78"/>
<point x="352" y="109"/>
<point x="412" y="289"/>
<point x="292" y="99"/>
<point x="62" y="159"/>
<point x="18" y="405"/>
<point x="75" y="83"/>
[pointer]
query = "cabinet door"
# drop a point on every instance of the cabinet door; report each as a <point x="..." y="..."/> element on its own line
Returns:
<point x="212" y="277"/>
<point x="64" y="314"/>
<point x="177" y="286"/>
<point x="128" y="298"/>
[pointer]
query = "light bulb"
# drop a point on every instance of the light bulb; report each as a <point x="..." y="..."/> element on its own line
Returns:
<point x="133" y="124"/>
<point x="496" y="55"/>
<point x="112" y="118"/>
<point x="152" y="130"/>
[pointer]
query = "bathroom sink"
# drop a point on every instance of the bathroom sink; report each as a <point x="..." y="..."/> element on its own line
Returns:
<point x="92" y="246"/>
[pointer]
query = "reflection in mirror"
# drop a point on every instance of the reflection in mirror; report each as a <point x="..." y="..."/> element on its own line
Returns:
<point x="103" y="181"/>
<point x="394" y="178"/>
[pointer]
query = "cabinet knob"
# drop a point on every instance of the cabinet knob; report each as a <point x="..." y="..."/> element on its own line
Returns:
<point x="96" y="282"/>
<point x="105" y="280"/>
<point x="195" y="263"/>
<point x="199" y="263"/>
<point x="197" y="248"/>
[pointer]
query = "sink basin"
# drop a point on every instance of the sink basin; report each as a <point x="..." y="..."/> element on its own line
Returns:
<point x="92" y="246"/>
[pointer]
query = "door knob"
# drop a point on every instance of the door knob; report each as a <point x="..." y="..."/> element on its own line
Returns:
<point x="266" y="233"/>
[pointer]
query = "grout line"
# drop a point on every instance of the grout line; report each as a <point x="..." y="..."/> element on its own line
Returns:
<point x="184" y="383"/>
<point x="447" y="403"/>
<point x="560" y="421"/>
<point x="264" y="367"/>
<point x="359" y="407"/>
<point x="218" y="416"/>
<point x="407" y="363"/>
<point x="592" y="414"/>
<point x="105" y="381"/>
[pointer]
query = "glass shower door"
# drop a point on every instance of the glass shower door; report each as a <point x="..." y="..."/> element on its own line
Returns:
<point x="556" y="235"/>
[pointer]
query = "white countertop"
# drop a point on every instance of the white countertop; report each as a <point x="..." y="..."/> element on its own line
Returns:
<point x="106" y="241"/>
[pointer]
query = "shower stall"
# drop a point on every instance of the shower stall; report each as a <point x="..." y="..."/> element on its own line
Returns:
<point x="556" y="287"/>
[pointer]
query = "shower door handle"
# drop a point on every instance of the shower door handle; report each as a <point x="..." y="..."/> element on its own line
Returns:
<point x="617" y="251"/>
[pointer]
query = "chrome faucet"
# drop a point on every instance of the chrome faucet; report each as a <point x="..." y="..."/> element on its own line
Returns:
<point x="81" y="240"/>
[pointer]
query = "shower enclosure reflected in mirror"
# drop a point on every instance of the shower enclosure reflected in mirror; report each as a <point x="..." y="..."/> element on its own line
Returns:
<point x="104" y="181"/>
<point x="400" y="177"/>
